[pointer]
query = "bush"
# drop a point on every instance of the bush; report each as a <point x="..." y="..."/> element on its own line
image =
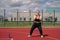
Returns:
<point x="6" y="20"/>
<point x="51" y="19"/>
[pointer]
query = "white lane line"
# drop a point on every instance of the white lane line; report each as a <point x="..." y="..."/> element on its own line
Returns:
<point x="52" y="38"/>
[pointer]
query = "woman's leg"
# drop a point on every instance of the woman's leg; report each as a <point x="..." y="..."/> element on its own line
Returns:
<point x="32" y="28"/>
<point x="40" y="29"/>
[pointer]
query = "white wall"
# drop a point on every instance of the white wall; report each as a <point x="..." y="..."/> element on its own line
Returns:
<point x="27" y="16"/>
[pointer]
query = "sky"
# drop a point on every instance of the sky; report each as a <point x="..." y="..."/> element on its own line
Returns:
<point x="29" y="4"/>
<point x="47" y="5"/>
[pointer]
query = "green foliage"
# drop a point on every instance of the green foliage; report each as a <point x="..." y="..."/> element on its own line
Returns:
<point x="6" y="20"/>
<point x="51" y="19"/>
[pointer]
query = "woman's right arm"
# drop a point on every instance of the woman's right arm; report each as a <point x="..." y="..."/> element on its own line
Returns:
<point x="34" y="17"/>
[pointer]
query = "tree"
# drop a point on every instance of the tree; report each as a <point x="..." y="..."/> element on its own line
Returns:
<point x="5" y="20"/>
<point x="55" y="19"/>
<point x="50" y="19"/>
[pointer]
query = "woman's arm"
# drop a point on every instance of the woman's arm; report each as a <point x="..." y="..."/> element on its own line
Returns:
<point x="34" y="17"/>
<point x="40" y="18"/>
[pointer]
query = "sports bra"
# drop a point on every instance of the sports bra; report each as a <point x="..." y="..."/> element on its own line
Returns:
<point x="37" y="21"/>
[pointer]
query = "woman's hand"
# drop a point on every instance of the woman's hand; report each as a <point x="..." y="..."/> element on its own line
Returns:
<point x="38" y="17"/>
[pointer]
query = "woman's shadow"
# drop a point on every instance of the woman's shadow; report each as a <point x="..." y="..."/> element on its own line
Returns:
<point x="40" y="35"/>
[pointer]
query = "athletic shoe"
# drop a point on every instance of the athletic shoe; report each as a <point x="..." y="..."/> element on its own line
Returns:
<point x="29" y="36"/>
<point x="41" y="36"/>
<point x="11" y="39"/>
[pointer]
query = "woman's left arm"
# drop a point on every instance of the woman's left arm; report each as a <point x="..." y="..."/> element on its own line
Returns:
<point x="40" y="18"/>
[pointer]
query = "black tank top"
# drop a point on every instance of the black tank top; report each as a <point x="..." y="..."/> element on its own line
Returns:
<point x="37" y="21"/>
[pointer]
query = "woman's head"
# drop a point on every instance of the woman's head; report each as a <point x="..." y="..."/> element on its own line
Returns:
<point x="37" y="12"/>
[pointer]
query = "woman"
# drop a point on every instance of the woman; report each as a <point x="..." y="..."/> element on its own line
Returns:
<point x="37" y="23"/>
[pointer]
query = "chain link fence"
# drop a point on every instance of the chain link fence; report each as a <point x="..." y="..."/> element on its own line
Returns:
<point x="19" y="18"/>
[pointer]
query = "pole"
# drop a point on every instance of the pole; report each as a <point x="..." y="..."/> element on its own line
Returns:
<point x="30" y="16"/>
<point x="4" y="17"/>
<point x="42" y="17"/>
<point x="54" y="17"/>
<point x="17" y="17"/>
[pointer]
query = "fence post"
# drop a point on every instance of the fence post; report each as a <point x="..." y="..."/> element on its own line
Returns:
<point x="4" y="17"/>
<point x="30" y="16"/>
<point x="17" y="17"/>
<point x="42" y="17"/>
<point x="54" y="17"/>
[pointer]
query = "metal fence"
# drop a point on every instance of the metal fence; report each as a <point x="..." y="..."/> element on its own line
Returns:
<point x="19" y="18"/>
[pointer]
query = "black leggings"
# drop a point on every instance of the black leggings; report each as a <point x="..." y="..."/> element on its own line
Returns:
<point x="36" y="25"/>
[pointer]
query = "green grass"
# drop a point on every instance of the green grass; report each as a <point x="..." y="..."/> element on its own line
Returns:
<point x="50" y="24"/>
<point x="15" y="24"/>
<point x="26" y="24"/>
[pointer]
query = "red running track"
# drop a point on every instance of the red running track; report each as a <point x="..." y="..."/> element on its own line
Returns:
<point x="22" y="33"/>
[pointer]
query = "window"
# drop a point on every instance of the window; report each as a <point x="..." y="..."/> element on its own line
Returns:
<point x="14" y="19"/>
<point x="11" y="19"/>
<point x="24" y="19"/>
<point x="20" y="18"/>
<point x="29" y="19"/>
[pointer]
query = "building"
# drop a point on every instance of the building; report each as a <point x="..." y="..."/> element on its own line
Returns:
<point x="26" y="16"/>
<point x="21" y="16"/>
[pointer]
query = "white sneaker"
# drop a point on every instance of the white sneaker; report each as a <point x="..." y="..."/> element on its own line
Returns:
<point x="29" y="36"/>
<point x="41" y="36"/>
<point x="11" y="39"/>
